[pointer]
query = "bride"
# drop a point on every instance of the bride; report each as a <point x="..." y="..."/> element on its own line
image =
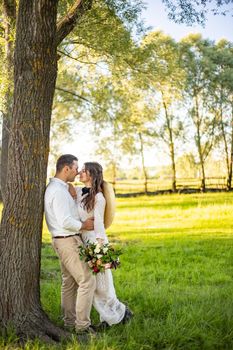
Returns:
<point x="91" y="203"/>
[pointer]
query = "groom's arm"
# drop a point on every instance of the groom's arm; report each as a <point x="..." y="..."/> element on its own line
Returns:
<point x="61" y="210"/>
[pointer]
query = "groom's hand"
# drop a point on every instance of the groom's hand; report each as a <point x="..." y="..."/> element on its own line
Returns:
<point x="72" y="191"/>
<point x="88" y="224"/>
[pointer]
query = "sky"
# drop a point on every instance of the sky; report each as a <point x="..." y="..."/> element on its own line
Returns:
<point x="216" y="28"/>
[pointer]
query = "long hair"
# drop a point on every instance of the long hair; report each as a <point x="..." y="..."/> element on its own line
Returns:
<point x="96" y="173"/>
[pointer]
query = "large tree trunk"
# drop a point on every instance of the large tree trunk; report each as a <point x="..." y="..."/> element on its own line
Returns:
<point x="9" y="12"/>
<point x="20" y="238"/>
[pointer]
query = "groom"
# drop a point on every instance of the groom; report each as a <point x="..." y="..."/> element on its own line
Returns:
<point x="78" y="284"/>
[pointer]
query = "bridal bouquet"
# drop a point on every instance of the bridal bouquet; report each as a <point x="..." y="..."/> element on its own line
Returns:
<point x="100" y="257"/>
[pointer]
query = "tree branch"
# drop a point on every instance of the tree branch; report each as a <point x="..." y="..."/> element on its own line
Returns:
<point x="69" y="21"/>
<point x="73" y="94"/>
<point x="81" y="98"/>
<point x="78" y="60"/>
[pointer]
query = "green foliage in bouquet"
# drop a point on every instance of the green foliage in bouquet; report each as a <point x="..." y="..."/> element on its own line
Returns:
<point x="100" y="257"/>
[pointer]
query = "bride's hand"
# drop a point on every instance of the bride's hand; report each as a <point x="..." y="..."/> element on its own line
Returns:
<point x="108" y="266"/>
<point x="100" y="241"/>
<point x="72" y="191"/>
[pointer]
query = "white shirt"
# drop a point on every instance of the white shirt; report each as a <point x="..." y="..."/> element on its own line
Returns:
<point x="97" y="213"/>
<point x="60" y="210"/>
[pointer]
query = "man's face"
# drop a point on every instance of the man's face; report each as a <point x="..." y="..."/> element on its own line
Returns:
<point x="72" y="171"/>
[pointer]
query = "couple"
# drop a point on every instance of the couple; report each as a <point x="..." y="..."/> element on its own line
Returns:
<point x="73" y="218"/>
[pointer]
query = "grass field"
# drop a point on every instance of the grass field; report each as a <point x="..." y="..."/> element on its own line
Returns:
<point x="176" y="275"/>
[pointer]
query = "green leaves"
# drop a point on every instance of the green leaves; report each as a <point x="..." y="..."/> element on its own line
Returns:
<point x="194" y="11"/>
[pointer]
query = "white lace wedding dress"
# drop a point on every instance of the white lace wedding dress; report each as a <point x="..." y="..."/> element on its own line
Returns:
<point x="105" y="301"/>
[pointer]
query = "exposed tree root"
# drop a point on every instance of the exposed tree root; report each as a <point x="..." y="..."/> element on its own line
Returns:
<point x="38" y="326"/>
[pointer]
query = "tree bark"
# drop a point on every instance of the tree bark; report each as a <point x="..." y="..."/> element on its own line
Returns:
<point x="9" y="13"/>
<point x="20" y="237"/>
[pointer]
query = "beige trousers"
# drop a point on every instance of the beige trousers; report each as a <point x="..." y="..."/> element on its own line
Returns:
<point x="78" y="284"/>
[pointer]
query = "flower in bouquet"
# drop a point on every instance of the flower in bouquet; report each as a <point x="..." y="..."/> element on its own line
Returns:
<point x="100" y="257"/>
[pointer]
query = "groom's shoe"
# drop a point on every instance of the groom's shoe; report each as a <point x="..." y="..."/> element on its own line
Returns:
<point x="127" y="316"/>
<point x="85" y="335"/>
<point x="89" y="331"/>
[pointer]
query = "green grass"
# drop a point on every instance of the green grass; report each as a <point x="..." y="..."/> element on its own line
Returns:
<point x="176" y="275"/>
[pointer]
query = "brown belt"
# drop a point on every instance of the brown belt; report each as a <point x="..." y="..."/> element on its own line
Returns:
<point x="77" y="234"/>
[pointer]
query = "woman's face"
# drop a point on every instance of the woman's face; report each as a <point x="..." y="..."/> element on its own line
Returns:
<point x="84" y="176"/>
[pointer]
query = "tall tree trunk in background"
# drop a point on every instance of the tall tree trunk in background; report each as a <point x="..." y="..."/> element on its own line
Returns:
<point x="227" y="149"/>
<point x="229" y="179"/>
<point x="35" y="72"/>
<point x="199" y="147"/>
<point x="171" y="145"/>
<point x="9" y="11"/>
<point x="143" y="164"/>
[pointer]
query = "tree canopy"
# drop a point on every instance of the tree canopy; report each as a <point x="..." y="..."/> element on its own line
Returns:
<point x="195" y="11"/>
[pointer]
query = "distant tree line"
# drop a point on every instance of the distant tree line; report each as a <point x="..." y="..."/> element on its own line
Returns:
<point x="159" y="94"/>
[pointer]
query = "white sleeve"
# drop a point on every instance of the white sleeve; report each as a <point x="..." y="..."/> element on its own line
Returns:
<point x="99" y="209"/>
<point x="79" y="194"/>
<point x="63" y="213"/>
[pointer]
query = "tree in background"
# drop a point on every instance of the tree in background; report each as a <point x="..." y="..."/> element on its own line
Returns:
<point x="186" y="166"/>
<point x="165" y="77"/>
<point x="221" y="93"/>
<point x="195" y="63"/>
<point x="103" y="89"/>
<point x="109" y="149"/>
<point x="138" y="130"/>
<point x="89" y="66"/>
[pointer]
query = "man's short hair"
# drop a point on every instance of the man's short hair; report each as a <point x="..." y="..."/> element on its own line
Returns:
<point x="65" y="159"/>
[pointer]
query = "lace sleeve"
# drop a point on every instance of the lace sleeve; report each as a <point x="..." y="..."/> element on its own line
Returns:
<point x="79" y="194"/>
<point x="99" y="216"/>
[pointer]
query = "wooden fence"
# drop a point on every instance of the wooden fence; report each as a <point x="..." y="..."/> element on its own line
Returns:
<point x="165" y="184"/>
